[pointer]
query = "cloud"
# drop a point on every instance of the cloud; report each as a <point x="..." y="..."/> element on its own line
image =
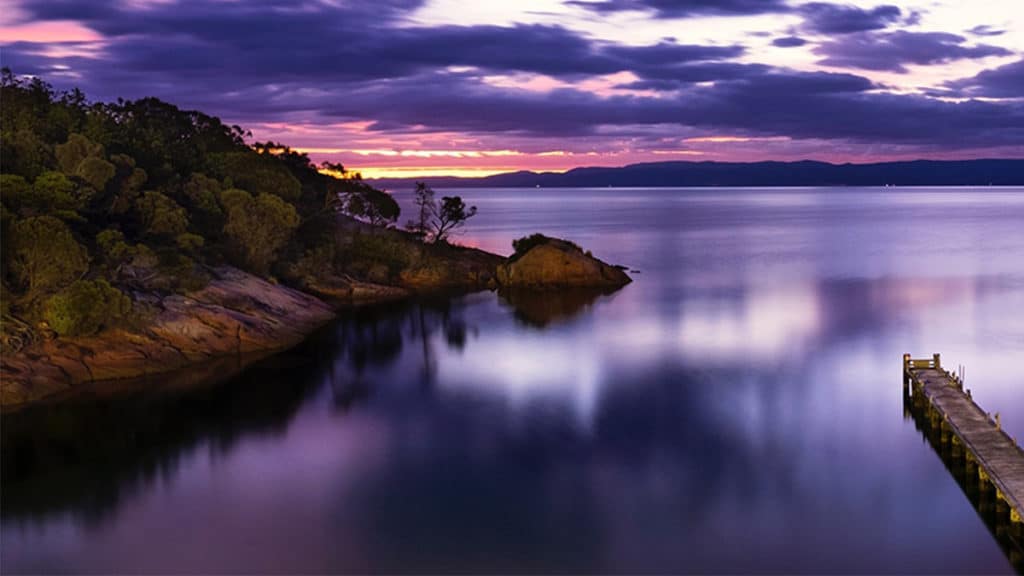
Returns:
<point x="270" y="61"/>
<point x="799" y="105"/>
<point x="985" y="30"/>
<point x="834" y="19"/>
<point x="788" y="42"/>
<point x="256" y="40"/>
<point x="893" y="51"/>
<point x="1006" y="81"/>
<point x="686" y="8"/>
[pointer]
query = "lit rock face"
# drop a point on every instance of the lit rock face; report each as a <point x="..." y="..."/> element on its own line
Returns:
<point x="557" y="263"/>
<point x="237" y="313"/>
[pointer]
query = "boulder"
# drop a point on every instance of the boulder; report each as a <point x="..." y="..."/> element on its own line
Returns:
<point x="558" y="263"/>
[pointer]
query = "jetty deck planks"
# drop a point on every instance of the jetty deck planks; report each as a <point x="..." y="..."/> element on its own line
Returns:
<point x="998" y="458"/>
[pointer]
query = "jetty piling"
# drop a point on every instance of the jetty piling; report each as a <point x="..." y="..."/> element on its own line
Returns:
<point x="987" y="463"/>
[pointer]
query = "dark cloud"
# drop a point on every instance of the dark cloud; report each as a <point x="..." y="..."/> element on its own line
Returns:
<point x="266" y="60"/>
<point x="892" y="51"/>
<point x="1003" y="82"/>
<point x="263" y="39"/>
<point x="684" y="76"/>
<point x="986" y="30"/>
<point x="788" y="42"/>
<point x="795" y="104"/>
<point x="686" y="8"/>
<point x="833" y="19"/>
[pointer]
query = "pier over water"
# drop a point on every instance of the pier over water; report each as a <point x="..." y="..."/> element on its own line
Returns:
<point x="986" y="461"/>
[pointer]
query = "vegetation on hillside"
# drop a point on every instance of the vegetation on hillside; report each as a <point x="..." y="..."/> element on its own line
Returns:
<point x="101" y="199"/>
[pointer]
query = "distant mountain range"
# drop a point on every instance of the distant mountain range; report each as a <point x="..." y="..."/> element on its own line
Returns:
<point x="802" y="173"/>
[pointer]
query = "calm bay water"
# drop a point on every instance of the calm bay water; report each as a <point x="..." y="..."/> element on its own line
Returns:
<point x="737" y="408"/>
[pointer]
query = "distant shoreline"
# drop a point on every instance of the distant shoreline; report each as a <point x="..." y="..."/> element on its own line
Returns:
<point x="805" y="173"/>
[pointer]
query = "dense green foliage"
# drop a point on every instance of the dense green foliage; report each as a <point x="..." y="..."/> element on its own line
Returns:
<point x="100" y="200"/>
<point x="85" y="307"/>
<point x="258" y="227"/>
<point x="44" y="255"/>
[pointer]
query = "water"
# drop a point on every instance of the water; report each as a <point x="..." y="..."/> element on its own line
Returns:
<point x="736" y="409"/>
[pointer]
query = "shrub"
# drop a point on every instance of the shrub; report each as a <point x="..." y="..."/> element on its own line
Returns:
<point x="189" y="242"/>
<point x="317" y="262"/>
<point x="523" y="245"/>
<point x="86" y="307"/>
<point x="44" y="254"/>
<point x="367" y="250"/>
<point x="52" y="191"/>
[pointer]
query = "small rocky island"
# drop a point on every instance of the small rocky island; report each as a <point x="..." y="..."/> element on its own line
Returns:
<point x="543" y="262"/>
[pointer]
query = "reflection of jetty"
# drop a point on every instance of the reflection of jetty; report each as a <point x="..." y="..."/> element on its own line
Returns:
<point x="986" y="462"/>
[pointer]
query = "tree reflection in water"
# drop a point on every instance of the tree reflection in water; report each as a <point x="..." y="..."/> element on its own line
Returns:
<point x="540" y="308"/>
<point x="86" y="452"/>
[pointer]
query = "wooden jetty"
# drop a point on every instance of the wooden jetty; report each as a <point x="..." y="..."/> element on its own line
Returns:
<point x="987" y="462"/>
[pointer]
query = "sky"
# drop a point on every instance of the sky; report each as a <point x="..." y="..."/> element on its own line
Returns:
<point x="475" y="87"/>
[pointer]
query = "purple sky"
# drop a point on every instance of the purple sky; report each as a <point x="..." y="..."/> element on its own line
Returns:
<point x="411" y="87"/>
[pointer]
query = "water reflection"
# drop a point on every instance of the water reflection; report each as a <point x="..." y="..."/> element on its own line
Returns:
<point x="708" y="417"/>
<point x="85" y="454"/>
<point x="374" y="337"/>
<point x="85" y="451"/>
<point x="539" y="308"/>
<point x="979" y="493"/>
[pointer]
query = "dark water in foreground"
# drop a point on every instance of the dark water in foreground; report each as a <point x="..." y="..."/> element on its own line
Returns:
<point x="737" y="408"/>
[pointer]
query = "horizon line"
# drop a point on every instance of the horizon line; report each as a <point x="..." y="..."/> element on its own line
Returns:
<point x="480" y="173"/>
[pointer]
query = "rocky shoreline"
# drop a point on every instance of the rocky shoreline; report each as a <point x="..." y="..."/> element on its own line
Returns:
<point x="238" y="313"/>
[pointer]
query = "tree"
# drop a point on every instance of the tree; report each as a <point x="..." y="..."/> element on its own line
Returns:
<point x="15" y="192"/>
<point x="113" y="247"/>
<point x="449" y="216"/>
<point x="200" y="197"/>
<point x="84" y="159"/>
<point x="160" y="215"/>
<point x="129" y="180"/>
<point x="96" y="172"/>
<point x="258" y="173"/>
<point x="425" y="205"/>
<point x="23" y="151"/>
<point x="379" y="207"/>
<point x="73" y="152"/>
<point x="45" y="256"/>
<point x="258" y="227"/>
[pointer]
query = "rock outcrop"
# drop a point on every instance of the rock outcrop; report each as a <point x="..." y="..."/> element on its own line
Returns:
<point x="235" y="313"/>
<point x="558" y="263"/>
